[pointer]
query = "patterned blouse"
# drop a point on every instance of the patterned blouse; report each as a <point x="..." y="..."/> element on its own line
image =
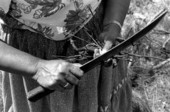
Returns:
<point x="55" y="19"/>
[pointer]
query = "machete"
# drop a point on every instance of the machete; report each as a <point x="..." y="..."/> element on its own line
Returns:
<point x="40" y="91"/>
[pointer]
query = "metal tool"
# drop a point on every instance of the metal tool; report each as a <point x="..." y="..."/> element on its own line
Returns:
<point x="40" y="91"/>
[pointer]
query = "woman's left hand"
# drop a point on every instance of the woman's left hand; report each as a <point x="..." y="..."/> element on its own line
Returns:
<point x="109" y="37"/>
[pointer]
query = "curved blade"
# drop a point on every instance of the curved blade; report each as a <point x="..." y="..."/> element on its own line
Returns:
<point x="40" y="92"/>
<point x="115" y="50"/>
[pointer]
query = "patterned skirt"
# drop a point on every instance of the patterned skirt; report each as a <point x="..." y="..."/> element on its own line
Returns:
<point x="102" y="89"/>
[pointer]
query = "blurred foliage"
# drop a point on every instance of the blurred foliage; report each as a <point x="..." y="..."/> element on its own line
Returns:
<point x="149" y="67"/>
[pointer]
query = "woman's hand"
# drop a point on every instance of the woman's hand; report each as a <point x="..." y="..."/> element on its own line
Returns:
<point x="57" y="74"/>
<point x="109" y="37"/>
<point x="51" y="74"/>
<point x="114" y="15"/>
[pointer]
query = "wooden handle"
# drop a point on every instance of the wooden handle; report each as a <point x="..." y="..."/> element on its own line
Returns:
<point x="38" y="93"/>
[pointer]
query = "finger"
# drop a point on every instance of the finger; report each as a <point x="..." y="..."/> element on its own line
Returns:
<point x="56" y="82"/>
<point x="68" y="86"/>
<point x="65" y="84"/>
<point x="71" y="79"/>
<point x="114" y="62"/>
<point x="101" y="37"/>
<point x="59" y="88"/>
<point x="75" y="70"/>
<point x="120" y="39"/>
<point x="108" y="63"/>
<point x="96" y="53"/>
<point x="107" y="46"/>
<point x="77" y="64"/>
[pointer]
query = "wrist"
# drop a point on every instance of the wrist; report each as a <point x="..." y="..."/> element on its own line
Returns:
<point x="114" y="22"/>
<point x="114" y="29"/>
<point x="39" y="64"/>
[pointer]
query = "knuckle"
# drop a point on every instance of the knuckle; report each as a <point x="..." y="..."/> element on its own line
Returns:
<point x="72" y="79"/>
<point x="64" y="63"/>
<point x="66" y="76"/>
<point x="76" y="82"/>
<point x="51" y="83"/>
<point x="58" y="78"/>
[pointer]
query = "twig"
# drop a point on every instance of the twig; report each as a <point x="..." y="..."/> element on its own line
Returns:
<point x="161" y="32"/>
<point x="161" y="65"/>
<point x="97" y="43"/>
<point x="142" y="56"/>
<point x="153" y="40"/>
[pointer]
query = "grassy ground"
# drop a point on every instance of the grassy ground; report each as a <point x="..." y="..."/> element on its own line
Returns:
<point x="153" y="88"/>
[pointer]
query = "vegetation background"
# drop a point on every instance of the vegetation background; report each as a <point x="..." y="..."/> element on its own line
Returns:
<point x="149" y="63"/>
<point x="149" y="66"/>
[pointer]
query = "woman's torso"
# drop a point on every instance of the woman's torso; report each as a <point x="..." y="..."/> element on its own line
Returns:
<point x="55" y="19"/>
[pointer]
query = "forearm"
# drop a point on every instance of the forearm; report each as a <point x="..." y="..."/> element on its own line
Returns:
<point x="115" y="10"/>
<point x="16" y="61"/>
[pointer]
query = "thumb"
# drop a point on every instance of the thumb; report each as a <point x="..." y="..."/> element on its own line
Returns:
<point x="107" y="46"/>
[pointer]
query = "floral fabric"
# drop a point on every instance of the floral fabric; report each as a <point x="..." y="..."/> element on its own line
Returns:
<point x="55" y="19"/>
<point x="4" y="5"/>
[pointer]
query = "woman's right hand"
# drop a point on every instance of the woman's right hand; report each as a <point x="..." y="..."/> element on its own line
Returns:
<point x="57" y="74"/>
